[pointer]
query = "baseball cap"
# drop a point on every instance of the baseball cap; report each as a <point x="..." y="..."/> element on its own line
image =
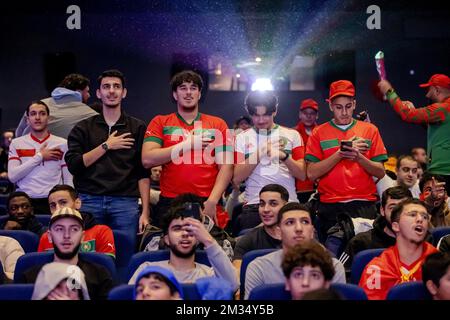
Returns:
<point x="66" y="213"/>
<point x="309" y="103"/>
<point x="341" y="88"/>
<point x="166" y="273"/>
<point x="440" y="80"/>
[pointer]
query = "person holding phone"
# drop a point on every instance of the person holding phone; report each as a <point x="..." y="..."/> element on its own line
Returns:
<point x="344" y="154"/>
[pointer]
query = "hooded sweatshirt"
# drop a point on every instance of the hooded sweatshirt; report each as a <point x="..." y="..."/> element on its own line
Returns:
<point x="52" y="274"/>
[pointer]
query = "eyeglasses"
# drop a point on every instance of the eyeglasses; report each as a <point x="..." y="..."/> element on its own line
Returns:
<point x="16" y="207"/>
<point x="413" y="214"/>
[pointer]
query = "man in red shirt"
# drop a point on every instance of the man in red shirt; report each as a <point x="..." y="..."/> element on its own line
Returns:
<point x="308" y="115"/>
<point x="96" y="238"/>
<point x="194" y="149"/>
<point x="344" y="172"/>
<point x="403" y="261"/>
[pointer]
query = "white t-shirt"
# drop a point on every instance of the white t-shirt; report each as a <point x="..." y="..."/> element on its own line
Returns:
<point x="267" y="171"/>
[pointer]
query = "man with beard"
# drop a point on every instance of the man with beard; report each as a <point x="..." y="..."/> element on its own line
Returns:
<point x="193" y="148"/>
<point x="403" y="261"/>
<point x="182" y="234"/>
<point x="268" y="236"/>
<point x="381" y="236"/>
<point x="406" y="170"/>
<point x="21" y="215"/>
<point x="65" y="232"/>
<point x="36" y="160"/>
<point x="435" y="116"/>
<point x="295" y="222"/>
<point x="105" y="158"/>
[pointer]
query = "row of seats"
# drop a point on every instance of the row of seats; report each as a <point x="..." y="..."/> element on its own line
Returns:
<point x="404" y="291"/>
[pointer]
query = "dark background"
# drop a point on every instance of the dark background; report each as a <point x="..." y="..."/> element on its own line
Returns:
<point x="146" y="39"/>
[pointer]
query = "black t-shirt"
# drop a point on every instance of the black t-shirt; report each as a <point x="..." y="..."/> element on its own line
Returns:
<point x="98" y="279"/>
<point x="255" y="239"/>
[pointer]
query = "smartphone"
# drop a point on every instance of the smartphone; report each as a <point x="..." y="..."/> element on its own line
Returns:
<point x="346" y="143"/>
<point x="192" y="209"/>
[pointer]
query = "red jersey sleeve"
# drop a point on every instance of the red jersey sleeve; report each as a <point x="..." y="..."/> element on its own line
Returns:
<point x="154" y="131"/>
<point x="377" y="151"/>
<point x="104" y="240"/>
<point x="313" y="149"/>
<point x="44" y="243"/>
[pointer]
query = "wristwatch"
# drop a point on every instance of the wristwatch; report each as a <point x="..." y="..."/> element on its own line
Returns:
<point x="105" y="146"/>
<point x="285" y="158"/>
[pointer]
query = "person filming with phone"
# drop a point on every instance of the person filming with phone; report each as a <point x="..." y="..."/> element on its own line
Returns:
<point x="344" y="154"/>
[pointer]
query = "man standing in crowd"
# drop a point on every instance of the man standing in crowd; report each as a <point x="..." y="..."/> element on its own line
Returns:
<point x="192" y="147"/>
<point x="36" y="160"/>
<point x="308" y="115"/>
<point x="267" y="153"/>
<point x="344" y="154"/>
<point x="67" y="106"/>
<point x="436" y="116"/>
<point x="105" y="158"/>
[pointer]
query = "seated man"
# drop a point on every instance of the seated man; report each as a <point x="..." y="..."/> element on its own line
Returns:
<point x="296" y="227"/>
<point x="434" y="196"/>
<point x="436" y="275"/>
<point x="97" y="237"/>
<point x="403" y="261"/>
<point x="271" y="198"/>
<point x="21" y="214"/>
<point x="307" y="267"/>
<point x="153" y="237"/>
<point x="381" y="236"/>
<point x="406" y="170"/>
<point x="60" y="281"/>
<point x="66" y="232"/>
<point x="157" y="283"/>
<point x="182" y="234"/>
<point x="10" y="251"/>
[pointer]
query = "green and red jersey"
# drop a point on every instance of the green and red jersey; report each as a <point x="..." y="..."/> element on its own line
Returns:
<point x="306" y="185"/>
<point x="437" y="117"/>
<point x="348" y="180"/>
<point x="196" y="172"/>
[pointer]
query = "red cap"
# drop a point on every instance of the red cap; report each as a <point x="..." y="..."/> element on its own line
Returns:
<point x="341" y="88"/>
<point x="309" y="103"/>
<point x="440" y="80"/>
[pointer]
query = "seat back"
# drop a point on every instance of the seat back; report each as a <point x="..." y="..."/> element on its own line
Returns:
<point x="360" y="261"/>
<point x="32" y="259"/>
<point x="43" y="218"/>
<point x="124" y="252"/>
<point x="125" y="292"/>
<point x="246" y="259"/>
<point x="414" y="290"/>
<point x="160" y="255"/>
<point x="349" y="291"/>
<point x="21" y="291"/>
<point x="244" y="231"/>
<point x="27" y="239"/>
<point x="438" y="233"/>
<point x="273" y="291"/>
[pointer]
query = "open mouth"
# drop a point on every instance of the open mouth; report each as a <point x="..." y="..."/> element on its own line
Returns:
<point x="419" y="230"/>
<point x="185" y="244"/>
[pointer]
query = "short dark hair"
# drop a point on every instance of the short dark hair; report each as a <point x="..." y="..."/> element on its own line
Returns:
<point x="42" y="103"/>
<point x="186" y="76"/>
<point x="261" y="98"/>
<point x="310" y="253"/>
<point x="397" y="211"/>
<point x="398" y="192"/>
<point x="435" y="267"/>
<point x="184" y="198"/>
<point x="160" y="277"/>
<point x="16" y="194"/>
<point x="113" y="73"/>
<point x="242" y="118"/>
<point x="427" y="176"/>
<point x="64" y="187"/>
<point x="172" y="214"/>
<point x="403" y="157"/>
<point x="74" y="81"/>
<point x="273" y="187"/>
<point x="292" y="206"/>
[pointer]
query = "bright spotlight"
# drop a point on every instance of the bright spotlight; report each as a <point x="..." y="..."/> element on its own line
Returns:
<point x="262" y="84"/>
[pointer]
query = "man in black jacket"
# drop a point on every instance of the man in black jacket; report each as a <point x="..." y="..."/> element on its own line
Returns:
<point x="21" y="215"/>
<point x="104" y="157"/>
<point x="381" y="236"/>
